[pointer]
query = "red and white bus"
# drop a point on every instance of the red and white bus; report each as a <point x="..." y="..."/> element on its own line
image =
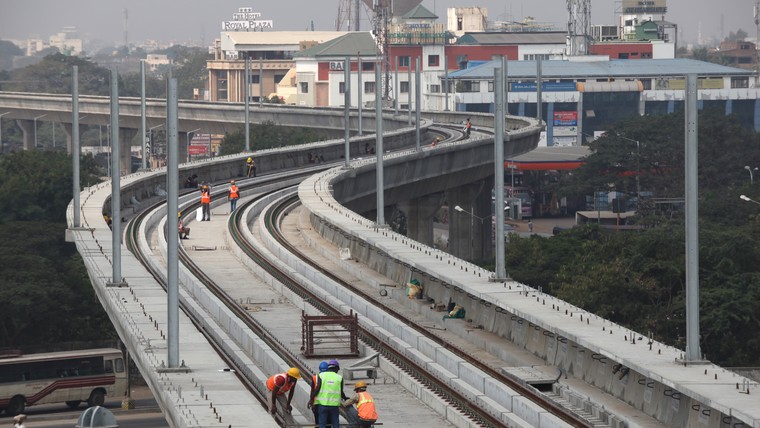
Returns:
<point x="56" y="377"/>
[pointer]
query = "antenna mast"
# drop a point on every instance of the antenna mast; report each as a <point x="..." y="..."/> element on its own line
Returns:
<point x="380" y="21"/>
<point x="578" y="26"/>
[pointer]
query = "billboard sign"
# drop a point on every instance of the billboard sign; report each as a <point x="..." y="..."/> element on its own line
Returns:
<point x="565" y="118"/>
<point x="644" y="6"/>
<point x="545" y="86"/>
<point x="197" y="149"/>
<point x="337" y="65"/>
<point x="247" y="25"/>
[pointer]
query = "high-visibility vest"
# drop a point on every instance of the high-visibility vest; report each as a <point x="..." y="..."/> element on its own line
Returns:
<point x="234" y="192"/>
<point x="205" y="198"/>
<point x="366" y="407"/>
<point x="276" y="380"/>
<point x="329" y="389"/>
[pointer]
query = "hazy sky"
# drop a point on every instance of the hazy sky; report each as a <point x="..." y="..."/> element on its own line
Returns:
<point x="183" y="20"/>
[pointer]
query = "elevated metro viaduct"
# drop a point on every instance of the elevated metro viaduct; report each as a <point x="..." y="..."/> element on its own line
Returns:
<point x="593" y="349"/>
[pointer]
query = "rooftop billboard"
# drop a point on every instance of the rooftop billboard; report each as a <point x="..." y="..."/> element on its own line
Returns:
<point x="644" y="6"/>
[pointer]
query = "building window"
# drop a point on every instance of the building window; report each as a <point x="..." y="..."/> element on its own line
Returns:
<point x="254" y="78"/>
<point x="304" y="87"/>
<point x="468" y="86"/>
<point x="433" y="60"/>
<point x="368" y="66"/>
<point x="739" y="82"/>
<point x="435" y="89"/>
<point x="278" y="78"/>
<point x="403" y="87"/>
<point x="369" y="87"/>
<point x="646" y="84"/>
<point x="221" y="86"/>
<point x="490" y="86"/>
<point x="403" y="61"/>
<point x="341" y="87"/>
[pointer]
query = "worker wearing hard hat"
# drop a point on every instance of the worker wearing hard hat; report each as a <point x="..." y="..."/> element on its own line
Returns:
<point x="251" y="165"/>
<point x="233" y="195"/>
<point x="327" y="394"/>
<point x="281" y="383"/>
<point x="365" y="405"/>
<point x="184" y="232"/>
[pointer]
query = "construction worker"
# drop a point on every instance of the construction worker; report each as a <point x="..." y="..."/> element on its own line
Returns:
<point x="206" y="203"/>
<point x="315" y="408"/>
<point x="281" y="383"/>
<point x="328" y="395"/>
<point x="251" y="165"/>
<point x="233" y="195"/>
<point x="467" y="127"/>
<point x="184" y="232"/>
<point x="435" y="141"/>
<point x="365" y="405"/>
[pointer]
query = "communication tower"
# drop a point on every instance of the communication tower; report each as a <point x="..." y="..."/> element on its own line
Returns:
<point x="578" y="26"/>
<point x="381" y="18"/>
<point x="348" y="15"/>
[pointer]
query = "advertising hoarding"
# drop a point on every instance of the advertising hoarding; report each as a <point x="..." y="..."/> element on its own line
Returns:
<point x="565" y="118"/>
<point x="644" y="6"/>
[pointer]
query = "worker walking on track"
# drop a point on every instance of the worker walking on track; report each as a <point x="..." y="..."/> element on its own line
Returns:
<point x="206" y="204"/>
<point x="233" y="196"/>
<point x="328" y="395"/>
<point x="251" y="165"/>
<point x="365" y="405"/>
<point x="281" y="383"/>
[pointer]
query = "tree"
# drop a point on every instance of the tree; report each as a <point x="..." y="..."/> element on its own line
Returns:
<point x="53" y="75"/>
<point x="637" y="279"/>
<point x="739" y="36"/>
<point x="268" y="135"/>
<point x="41" y="273"/>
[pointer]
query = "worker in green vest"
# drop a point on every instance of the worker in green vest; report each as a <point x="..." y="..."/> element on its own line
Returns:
<point x="328" y="395"/>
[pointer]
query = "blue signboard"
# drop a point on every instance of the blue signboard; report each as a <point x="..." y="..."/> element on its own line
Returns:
<point x="545" y="86"/>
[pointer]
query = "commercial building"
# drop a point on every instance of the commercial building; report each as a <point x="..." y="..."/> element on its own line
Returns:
<point x="584" y="95"/>
<point x="271" y="58"/>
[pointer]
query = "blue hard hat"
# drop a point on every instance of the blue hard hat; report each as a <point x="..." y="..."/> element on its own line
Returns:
<point x="323" y="366"/>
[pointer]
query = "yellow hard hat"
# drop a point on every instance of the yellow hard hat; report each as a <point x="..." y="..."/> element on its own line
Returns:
<point x="250" y="159"/>
<point x="294" y="372"/>
<point x="179" y="214"/>
<point x="360" y="385"/>
<point x="232" y="181"/>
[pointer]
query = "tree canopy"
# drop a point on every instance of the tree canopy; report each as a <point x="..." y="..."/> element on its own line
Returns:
<point x="45" y="292"/>
<point x="637" y="278"/>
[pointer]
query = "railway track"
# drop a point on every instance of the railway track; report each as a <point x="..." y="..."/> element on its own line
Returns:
<point x="273" y="219"/>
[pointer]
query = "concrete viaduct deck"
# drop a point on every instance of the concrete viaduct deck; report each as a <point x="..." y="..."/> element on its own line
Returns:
<point x="651" y="377"/>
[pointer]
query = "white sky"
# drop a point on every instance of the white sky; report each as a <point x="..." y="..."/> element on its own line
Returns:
<point x="184" y="20"/>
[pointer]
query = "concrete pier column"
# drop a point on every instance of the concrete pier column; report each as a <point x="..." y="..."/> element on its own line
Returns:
<point x="470" y="230"/>
<point x="27" y="130"/>
<point x="182" y="146"/>
<point x="67" y="129"/>
<point x="126" y="135"/>
<point x="419" y="217"/>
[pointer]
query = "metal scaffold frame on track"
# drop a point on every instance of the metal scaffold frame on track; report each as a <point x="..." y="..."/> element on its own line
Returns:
<point x="329" y="332"/>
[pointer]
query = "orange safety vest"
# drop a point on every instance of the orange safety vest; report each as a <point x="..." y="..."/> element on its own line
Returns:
<point x="366" y="407"/>
<point x="205" y="198"/>
<point x="234" y="192"/>
<point x="273" y="381"/>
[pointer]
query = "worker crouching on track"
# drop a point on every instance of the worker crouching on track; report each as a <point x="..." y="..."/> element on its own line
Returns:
<point x="365" y="405"/>
<point x="281" y="383"/>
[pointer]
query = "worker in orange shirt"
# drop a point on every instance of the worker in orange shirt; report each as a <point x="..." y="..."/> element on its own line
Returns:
<point x="233" y="196"/>
<point x="206" y="204"/>
<point x="281" y="383"/>
<point x="365" y="405"/>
